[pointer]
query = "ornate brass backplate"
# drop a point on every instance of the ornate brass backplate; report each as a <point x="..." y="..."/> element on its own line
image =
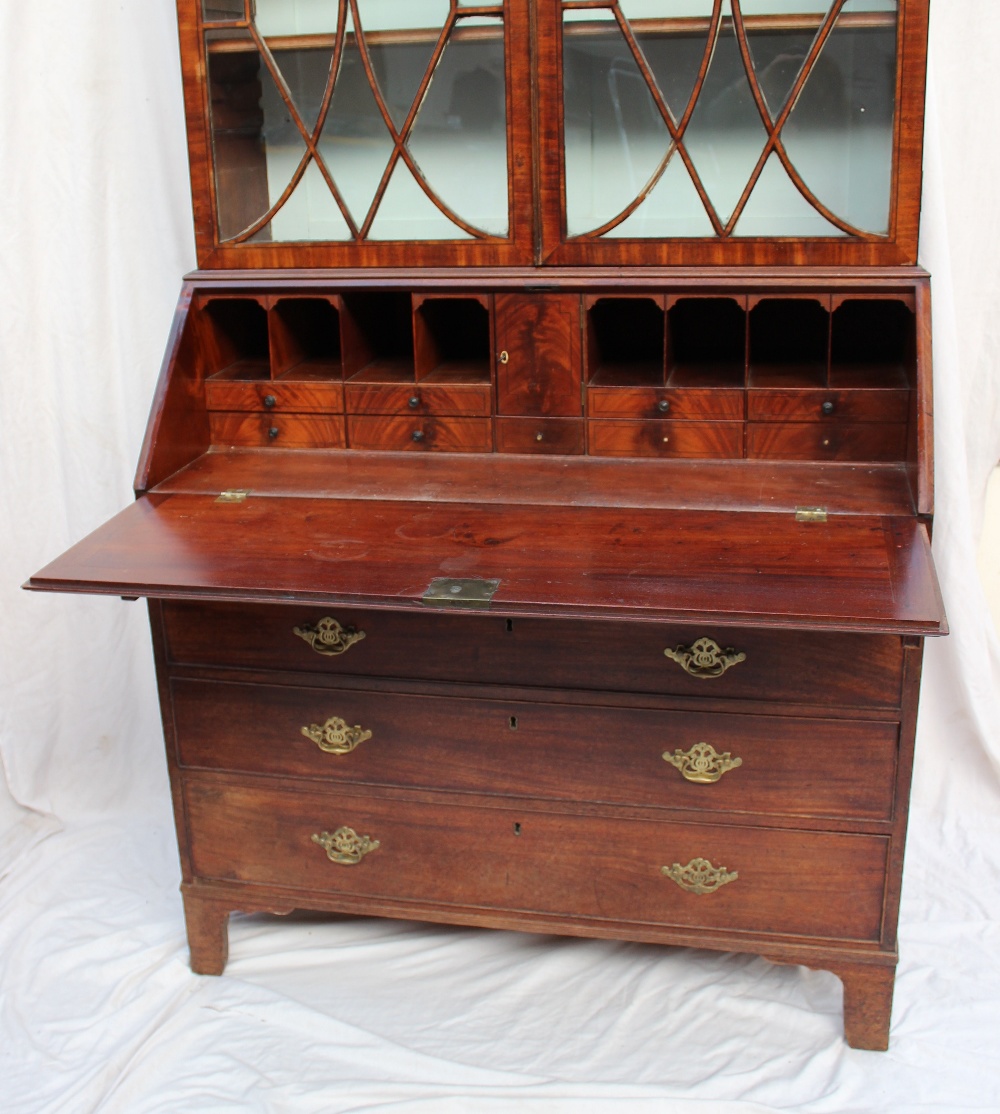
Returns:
<point x="328" y="637"/>
<point x="345" y="846"/>
<point x="699" y="876"/>
<point x="702" y="764"/>
<point x="705" y="658"/>
<point x="336" y="736"/>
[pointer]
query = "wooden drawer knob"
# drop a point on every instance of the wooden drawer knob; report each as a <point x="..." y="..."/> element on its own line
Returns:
<point x="705" y="658"/>
<point x="344" y="846"/>
<point x="702" y="764"/>
<point x="328" y="637"/>
<point x="336" y="736"/>
<point x="699" y="876"/>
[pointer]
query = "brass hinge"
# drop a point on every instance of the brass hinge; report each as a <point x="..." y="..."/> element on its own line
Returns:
<point x="233" y="495"/>
<point x="445" y="591"/>
<point x="810" y="514"/>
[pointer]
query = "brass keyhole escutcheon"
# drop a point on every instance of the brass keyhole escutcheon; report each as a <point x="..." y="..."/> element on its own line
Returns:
<point x="504" y="357"/>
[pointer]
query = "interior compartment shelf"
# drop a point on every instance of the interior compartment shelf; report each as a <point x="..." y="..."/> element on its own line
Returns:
<point x="305" y="340"/>
<point x="706" y="343"/>
<point x="626" y="342"/>
<point x="872" y="344"/>
<point x="377" y="332"/>
<point x="451" y="338"/>
<point x="236" y="342"/>
<point x="789" y="343"/>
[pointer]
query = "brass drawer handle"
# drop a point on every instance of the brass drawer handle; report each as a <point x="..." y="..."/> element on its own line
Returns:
<point x="336" y="736"/>
<point x="705" y="658"/>
<point x="702" y="764"/>
<point x="698" y="877"/>
<point x="328" y="637"/>
<point x="345" y="846"/>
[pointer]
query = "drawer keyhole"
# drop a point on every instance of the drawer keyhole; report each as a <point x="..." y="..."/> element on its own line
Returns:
<point x="517" y="829"/>
<point x="513" y="723"/>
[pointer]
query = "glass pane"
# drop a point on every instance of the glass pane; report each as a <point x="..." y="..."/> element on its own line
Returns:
<point x="459" y="137"/>
<point x="355" y="143"/>
<point x="311" y="213"/>
<point x="400" y="61"/>
<point x="777" y="208"/>
<point x="779" y="53"/>
<point x="256" y="146"/>
<point x="296" y="17"/>
<point x="673" y="53"/>
<point x="615" y="136"/>
<point x="750" y="8"/>
<point x="402" y="15"/>
<point x="726" y="135"/>
<point x="406" y="213"/>
<point x="840" y="133"/>
<point x="306" y="73"/>
<point x="219" y="11"/>
<point x="672" y="210"/>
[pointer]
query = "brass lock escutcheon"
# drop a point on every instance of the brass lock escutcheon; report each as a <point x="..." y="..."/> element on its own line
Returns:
<point x="328" y="637"/>
<point x="699" y="876"/>
<point x="702" y="764"/>
<point x="705" y="658"/>
<point x="336" y="736"/>
<point x="345" y="846"/>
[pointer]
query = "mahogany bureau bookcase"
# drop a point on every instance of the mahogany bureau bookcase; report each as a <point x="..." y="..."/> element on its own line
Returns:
<point x="534" y="506"/>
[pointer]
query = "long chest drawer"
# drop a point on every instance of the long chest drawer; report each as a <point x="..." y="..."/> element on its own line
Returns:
<point x="584" y="868"/>
<point x="779" y="765"/>
<point x="818" y="668"/>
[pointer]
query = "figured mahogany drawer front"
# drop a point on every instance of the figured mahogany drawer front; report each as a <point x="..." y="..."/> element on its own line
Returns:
<point x="888" y="405"/>
<point x="287" y="431"/>
<point x="472" y="435"/>
<point x="299" y="398"/>
<point x="774" y="881"/>
<point x="541" y="435"/>
<point x="720" y="404"/>
<point x="659" y="438"/>
<point x="761" y="764"/>
<point x="419" y="398"/>
<point x="825" y="669"/>
<point x="826" y="440"/>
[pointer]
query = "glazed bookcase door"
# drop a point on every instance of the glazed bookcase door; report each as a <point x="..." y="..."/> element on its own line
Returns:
<point x="731" y="131"/>
<point x="359" y="132"/>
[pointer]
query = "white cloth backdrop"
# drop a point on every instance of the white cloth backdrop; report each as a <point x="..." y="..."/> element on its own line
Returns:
<point x="98" y="1010"/>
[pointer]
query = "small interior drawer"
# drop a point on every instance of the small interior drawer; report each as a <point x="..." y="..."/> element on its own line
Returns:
<point x="541" y="435"/>
<point x="720" y="404"/>
<point x="890" y="405"/>
<point x="419" y="398"/>
<point x="286" y="431"/>
<point x="665" y="438"/>
<point x="270" y="395"/>
<point x="830" y="440"/>
<point x="470" y="435"/>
